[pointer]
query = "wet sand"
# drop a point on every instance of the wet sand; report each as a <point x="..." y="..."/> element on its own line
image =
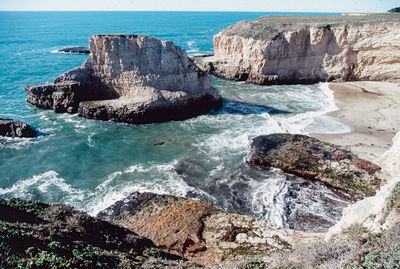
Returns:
<point x="372" y="109"/>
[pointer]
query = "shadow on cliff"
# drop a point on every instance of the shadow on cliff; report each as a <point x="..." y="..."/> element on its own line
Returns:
<point x="298" y="61"/>
<point x="230" y="106"/>
<point x="300" y="71"/>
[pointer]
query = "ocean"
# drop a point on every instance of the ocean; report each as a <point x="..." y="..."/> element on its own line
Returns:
<point x="91" y="164"/>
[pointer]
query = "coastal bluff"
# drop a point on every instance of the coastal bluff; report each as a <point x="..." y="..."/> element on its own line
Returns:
<point x="130" y="78"/>
<point x="307" y="49"/>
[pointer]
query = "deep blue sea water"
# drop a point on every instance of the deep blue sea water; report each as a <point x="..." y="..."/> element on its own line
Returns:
<point x="91" y="164"/>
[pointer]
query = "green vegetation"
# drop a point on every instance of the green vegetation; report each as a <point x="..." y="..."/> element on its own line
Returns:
<point x="355" y="248"/>
<point x="271" y="27"/>
<point x="27" y="206"/>
<point x="39" y="235"/>
<point x="394" y="200"/>
<point x="254" y="264"/>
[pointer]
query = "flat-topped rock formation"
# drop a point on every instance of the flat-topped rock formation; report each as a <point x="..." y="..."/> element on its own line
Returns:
<point x="132" y="79"/>
<point x="312" y="159"/>
<point x="15" y="128"/>
<point x="304" y="49"/>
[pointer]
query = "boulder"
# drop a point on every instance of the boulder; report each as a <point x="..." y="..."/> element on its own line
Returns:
<point x="199" y="231"/>
<point x="312" y="159"/>
<point x="15" y="128"/>
<point x="132" y="79"/>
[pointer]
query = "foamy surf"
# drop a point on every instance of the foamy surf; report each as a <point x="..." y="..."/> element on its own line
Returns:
<point x="47" y="186"/>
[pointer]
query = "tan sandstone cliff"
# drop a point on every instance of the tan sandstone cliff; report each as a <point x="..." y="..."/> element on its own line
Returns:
<point x="132" y="79"/>
<point x="295" y="49"/>
<point x="381" y="211"/>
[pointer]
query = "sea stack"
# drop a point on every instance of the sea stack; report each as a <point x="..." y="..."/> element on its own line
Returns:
<point x="132" y="79"/>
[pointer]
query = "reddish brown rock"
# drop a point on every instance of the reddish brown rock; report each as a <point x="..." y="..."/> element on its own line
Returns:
<point x="199" y="231"/>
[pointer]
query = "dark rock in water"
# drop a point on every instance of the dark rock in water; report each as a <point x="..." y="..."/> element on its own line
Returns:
<point x="57" y="236"/>
<point x="199" y="231"/>
<point x="79" y="50"/>
<point x="132" y="79"/>
<point x="396" y="9"/>
<point x="15" y="128"/>
<point x="312" y="159"/>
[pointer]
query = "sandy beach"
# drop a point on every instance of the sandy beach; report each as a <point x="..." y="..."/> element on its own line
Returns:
<point x="372" y="109"/>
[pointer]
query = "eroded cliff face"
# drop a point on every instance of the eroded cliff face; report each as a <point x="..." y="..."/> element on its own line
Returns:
<point x="132" y="79"/>
<point x="381" y="211"/>
<point x="288" y="50"/>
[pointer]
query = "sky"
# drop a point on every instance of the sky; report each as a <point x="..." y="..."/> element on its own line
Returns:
<point x="202" y="5"/>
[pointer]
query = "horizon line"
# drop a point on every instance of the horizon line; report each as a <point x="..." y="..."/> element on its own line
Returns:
<point x="248" y="11"/>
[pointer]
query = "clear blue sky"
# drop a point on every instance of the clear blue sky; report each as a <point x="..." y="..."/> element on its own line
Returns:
<point x="205" y="5"/>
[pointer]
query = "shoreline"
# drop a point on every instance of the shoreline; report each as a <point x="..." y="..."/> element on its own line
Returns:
<point x="372" y="110"/>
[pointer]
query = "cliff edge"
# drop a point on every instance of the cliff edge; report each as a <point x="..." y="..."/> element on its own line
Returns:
<point x="132" y="79"/>
<point x="305" y="49"/>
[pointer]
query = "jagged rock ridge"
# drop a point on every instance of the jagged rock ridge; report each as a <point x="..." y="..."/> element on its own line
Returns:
<point x="132" y="79"/>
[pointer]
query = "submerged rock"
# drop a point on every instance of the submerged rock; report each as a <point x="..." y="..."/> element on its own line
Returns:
<point x="198" y="230"/>
<point x="133" y="79"/>
<point x="78" y="50"/>
<point x="312" y="159"/>
<point x="15" y="128"/>
<point x="305" y="49"/>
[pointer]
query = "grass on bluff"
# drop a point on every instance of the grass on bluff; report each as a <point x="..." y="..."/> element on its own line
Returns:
<point x="40" y="235"/>
<point x="269" y="27"/>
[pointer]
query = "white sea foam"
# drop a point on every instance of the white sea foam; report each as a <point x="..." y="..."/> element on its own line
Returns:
<point x="317" y="121"/>
<point x="16" y="143"/>
<point x="160" y="179"/>
<point x="47" y="185"/>
<point x="268" y="199"/>
<point x="90" y="139"/>
<point x="193" y="50"/>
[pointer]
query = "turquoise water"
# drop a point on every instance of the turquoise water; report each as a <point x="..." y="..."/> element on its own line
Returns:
<point x="91" y="164"/>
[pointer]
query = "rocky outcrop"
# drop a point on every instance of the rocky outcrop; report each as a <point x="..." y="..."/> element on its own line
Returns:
<point x="312" y="159"/>
<point x="78" y="50"/>
<point x="15" y="128"/>
<point x="40" y="235"/>
<point x="132" y="79"/>
<point x="304" y="49"/>
<point x="198" y="230"/>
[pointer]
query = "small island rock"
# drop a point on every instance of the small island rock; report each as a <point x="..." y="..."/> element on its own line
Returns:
<point x="132" y="79"/>
<point x="78" y="50"/>
<point x="15" y="128"/>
